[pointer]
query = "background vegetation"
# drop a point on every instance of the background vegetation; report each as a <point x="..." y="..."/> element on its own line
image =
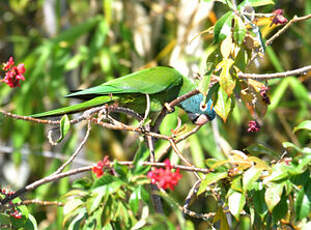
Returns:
<point x="67" y="45"/>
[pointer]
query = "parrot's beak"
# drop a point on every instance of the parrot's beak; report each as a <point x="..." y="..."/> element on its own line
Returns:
<point x="201" y="120"/>
<point x="198" y="119"/>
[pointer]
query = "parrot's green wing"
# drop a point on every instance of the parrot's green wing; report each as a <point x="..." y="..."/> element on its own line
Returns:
<point x="148" y="81"/>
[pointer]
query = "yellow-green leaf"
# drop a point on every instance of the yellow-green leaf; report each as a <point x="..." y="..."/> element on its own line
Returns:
<point x="236" y="202"/>
<point x="273" y="195"/>
<point x="226" y="80"/>
<point x="210" y="179"/>
<point x="239" y="31"/>
<point x="223" y="104"/>
<point x="250" y="176"/>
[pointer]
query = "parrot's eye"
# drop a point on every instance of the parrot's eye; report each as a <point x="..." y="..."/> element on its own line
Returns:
<point x="203" y="106"/>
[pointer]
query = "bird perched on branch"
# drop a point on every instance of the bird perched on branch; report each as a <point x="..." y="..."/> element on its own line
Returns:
<point x="162" y="84"/>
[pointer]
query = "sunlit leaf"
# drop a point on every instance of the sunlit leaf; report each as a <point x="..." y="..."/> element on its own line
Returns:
<point x="256" y="3"/>
<point x="223" y="104"/>
<point x="250" y="176"/>
<point x="64" y="127"/>
<point x="210" y="179"/>
<point x="257" y="149"/>
<point x="239" y="31"/>
<point x="305" y="125"/>
<point x="236" y="202"/>
<point x="226" y="47"/>
<point x="236" y="184"/>
<point x="273" y="195"/>
<point x="227" y="82"/>
<point x="223" y="27"/>
<point x="302" y="205"/>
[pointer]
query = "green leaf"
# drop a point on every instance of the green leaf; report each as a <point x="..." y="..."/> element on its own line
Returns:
<point x="259" y="203"/>
<point x="273" y="195"/>
<point x="237" y="184"/>
<point x="141" y="155"/>
<point x="75" y="223"/>
<point x="64" y="127"/>
<point x="280" y="210"/>
<point x="302" y="205"/>
<point x="97" y="197"/>
<point x="135" y="197"/>
<point x="257" y="149"/>
<point x="31" y="223"/>
<point x="239" y="31"/>
<point x="223" y="104"/>
<point x="210" y="179"/>
<point x="122" y="170"/>
<point x="236" y="202"/>
<point x="223" y="27"/>
<point x="204" y="84"/>
<point x="4" y="219"/>
<point x="103" y="180"/>
<point x="250" y="177"/>
<point x="72" y="205"/>
<point x="227" y="82"/>
<point x="279" y="172"/>
<point x="222" y="218"/>
<point x="256" y="3"/>
<point x="305" y="125"/>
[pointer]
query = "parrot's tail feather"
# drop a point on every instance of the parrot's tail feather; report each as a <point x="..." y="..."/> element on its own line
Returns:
<point x="76" y="108"/>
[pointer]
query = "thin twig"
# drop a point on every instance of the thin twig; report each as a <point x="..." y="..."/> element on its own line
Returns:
<point x="124" y="127"/>
<point x="268" y="76"/>
<point x="203" y="216"/>
<point x="293" y="20"/>
<point x="193" y="191"/>
<point x="44" y="180"/>
<point x="182" y="138"/>
<point x="53" y="177"/>
<point x="75" y="154"/>
<point x="147" y="111"/>
<point x="39" y="202"/>
<point x="179" y="154"/>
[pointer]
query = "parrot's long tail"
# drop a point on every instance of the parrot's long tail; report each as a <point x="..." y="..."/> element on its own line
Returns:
<point x="100" y="100"/>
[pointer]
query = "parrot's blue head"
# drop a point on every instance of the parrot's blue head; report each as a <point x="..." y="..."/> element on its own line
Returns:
<point x="198" y="112"/>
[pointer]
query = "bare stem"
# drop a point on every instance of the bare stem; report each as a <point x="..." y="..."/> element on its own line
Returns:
<point x="75" y="154"/>
<point x="268" y="76"/>
<point x="293" y="20"/>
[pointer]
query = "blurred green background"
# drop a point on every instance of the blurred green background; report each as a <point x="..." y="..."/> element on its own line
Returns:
<point x="67" y="45"/>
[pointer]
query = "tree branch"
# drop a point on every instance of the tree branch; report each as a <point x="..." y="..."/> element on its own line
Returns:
<point x="293" y="20"/>
<point x="268" y="76"/>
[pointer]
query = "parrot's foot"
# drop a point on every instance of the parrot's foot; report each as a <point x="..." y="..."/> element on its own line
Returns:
<point x="168" y="107"/>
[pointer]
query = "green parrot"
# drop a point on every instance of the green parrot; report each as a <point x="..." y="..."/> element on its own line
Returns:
<point x="162" y="84"/>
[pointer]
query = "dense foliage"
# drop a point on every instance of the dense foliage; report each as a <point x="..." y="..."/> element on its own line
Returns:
<point x="248" y="169"/>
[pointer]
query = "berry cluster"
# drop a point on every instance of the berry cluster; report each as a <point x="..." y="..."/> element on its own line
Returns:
<point x="263" y="93"/>
<point x="13" y="74"/>
<point x="98" y="169"/>
<point x="279" y="17"/>
<point x="253" y="127"/>
<point x="165" y="178"/>
<point x="11" y="210"/>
